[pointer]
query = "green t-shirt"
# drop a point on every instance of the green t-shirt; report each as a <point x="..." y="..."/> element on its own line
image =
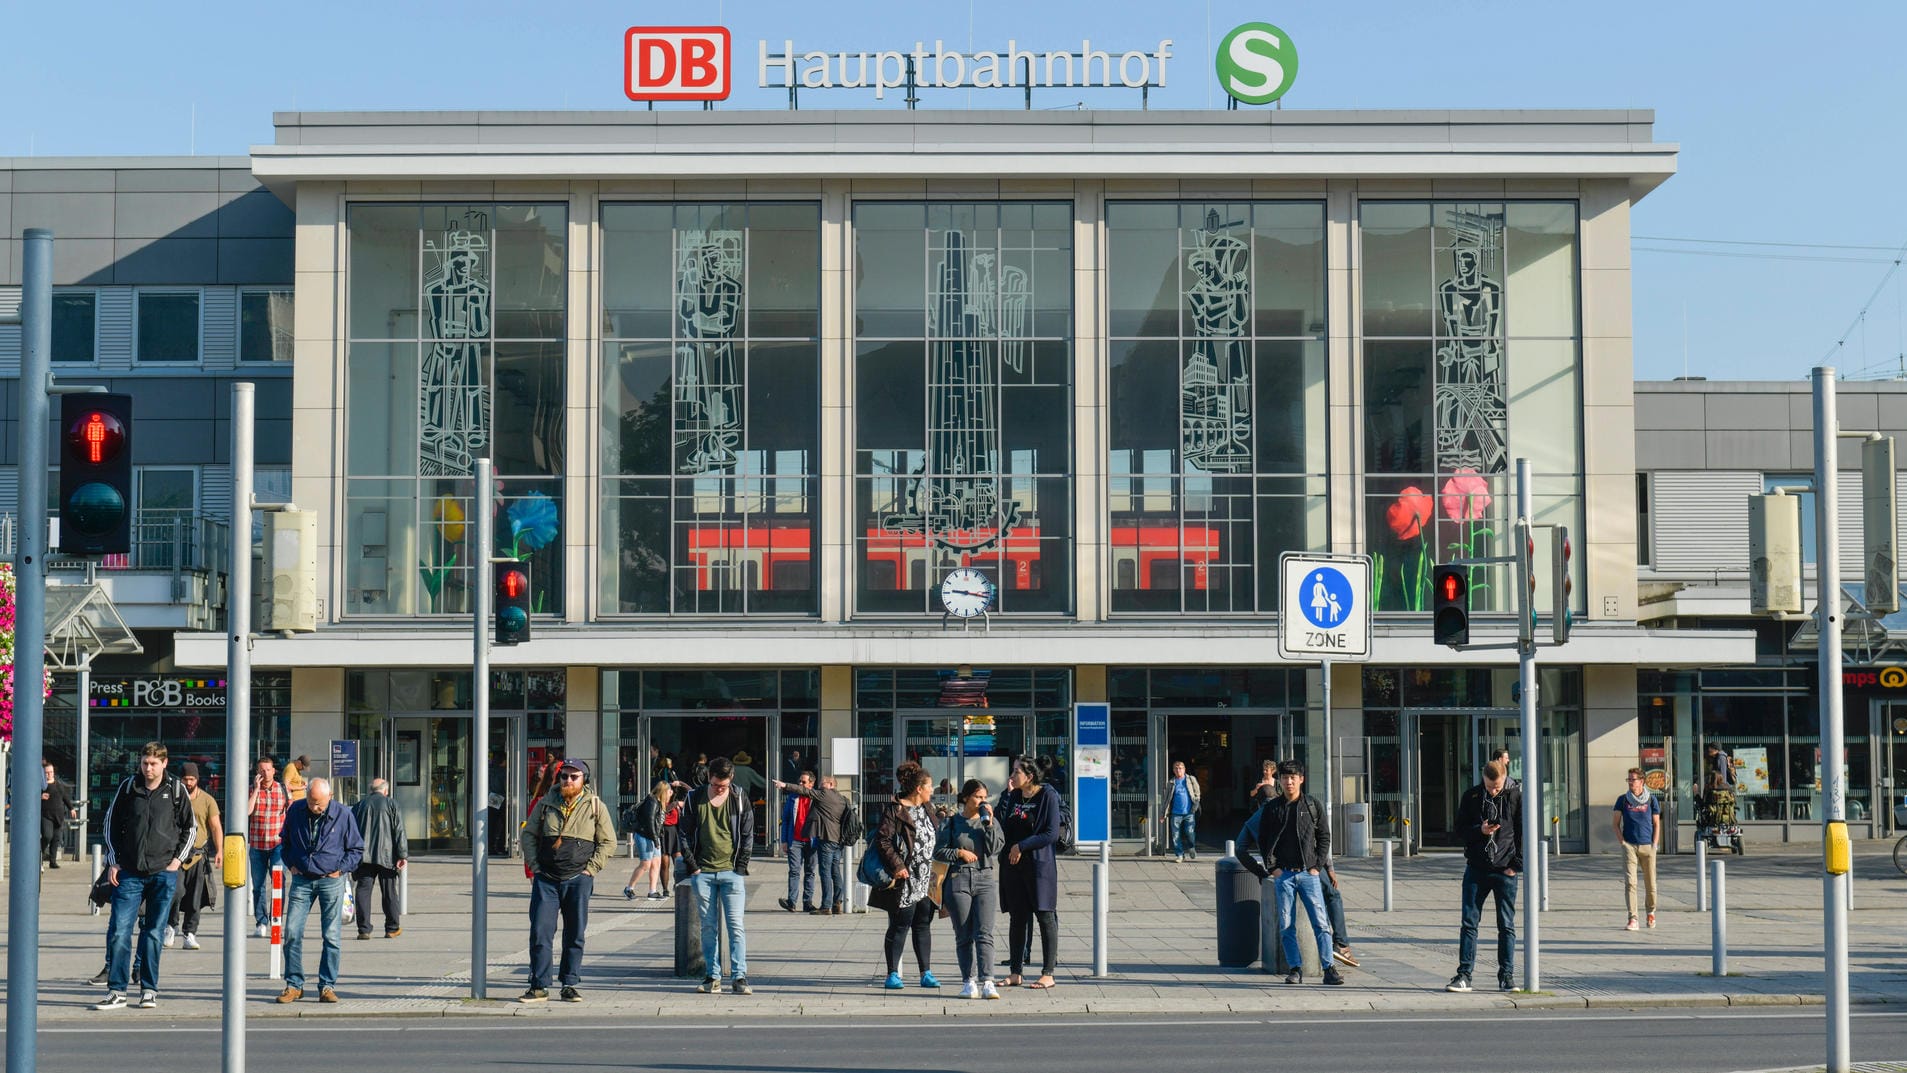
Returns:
<point x="716" y="852"/>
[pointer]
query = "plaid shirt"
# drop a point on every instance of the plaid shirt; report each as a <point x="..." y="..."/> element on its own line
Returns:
<point x="265" y="828"/>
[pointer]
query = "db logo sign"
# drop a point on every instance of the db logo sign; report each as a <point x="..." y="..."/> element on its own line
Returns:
<point x="676" y="63"/>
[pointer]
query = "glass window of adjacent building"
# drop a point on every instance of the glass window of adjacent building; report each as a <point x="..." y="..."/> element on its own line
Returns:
<point x="264" y="325"/>
<point x="1217" y="406"/>
<point x="168" y="326"/>
<point x="75" y="325"/>
<point x="456" y="321"/>
<point x="711" y="408"/>
<point x="1472" y="359"/>
<point x="963" y="402"/>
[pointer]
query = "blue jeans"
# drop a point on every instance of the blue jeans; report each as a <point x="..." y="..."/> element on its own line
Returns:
<point x="1287" y="888"/>
<point x="731" y="887"/>
<point x="1184" y="827"/>
<point x="548" y="897"/>
<point x="260" y="876"/>
<point x="834" y="881"/>
<point x="801" y="868"/>
<point x="1334" y="907"/>
<point x="147" y="899"/>
<point x="328" y="891"/>
<point x="1477" y="885"/>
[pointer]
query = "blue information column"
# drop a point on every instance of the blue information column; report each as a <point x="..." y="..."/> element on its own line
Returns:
<point x="1092" y="810"/>
<point x="344" y="759"/>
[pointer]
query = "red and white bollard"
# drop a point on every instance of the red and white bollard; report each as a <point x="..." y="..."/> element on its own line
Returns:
<point x="277" y="971"/>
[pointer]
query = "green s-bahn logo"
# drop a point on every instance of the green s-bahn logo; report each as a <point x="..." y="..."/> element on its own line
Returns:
<point x="1257" y="63"/>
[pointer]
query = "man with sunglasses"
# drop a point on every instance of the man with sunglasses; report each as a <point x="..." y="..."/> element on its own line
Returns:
<point x="567" y="840"/>
<point x="1638" y="823"/>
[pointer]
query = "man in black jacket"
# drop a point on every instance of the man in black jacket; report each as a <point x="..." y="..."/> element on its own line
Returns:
<point x="1293" y="842"/>
<point x="56" y="807"/>
<point x="386" y="850"/>
<point x="717" y="830"/>
<point x="1490" y="818"/>
<point x="149" y="833"/>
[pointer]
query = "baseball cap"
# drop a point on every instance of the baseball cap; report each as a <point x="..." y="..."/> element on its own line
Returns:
<point x="573" y="764"/>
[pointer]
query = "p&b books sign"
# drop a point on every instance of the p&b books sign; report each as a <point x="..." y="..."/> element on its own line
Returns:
<point x="153" y="692"/>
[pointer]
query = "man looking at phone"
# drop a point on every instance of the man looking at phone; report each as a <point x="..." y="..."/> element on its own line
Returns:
<point x="264" y="831"/>
<point x="1488" y="818"/>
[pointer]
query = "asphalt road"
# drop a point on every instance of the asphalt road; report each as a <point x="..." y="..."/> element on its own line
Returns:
<point x="1665" y="1041"/>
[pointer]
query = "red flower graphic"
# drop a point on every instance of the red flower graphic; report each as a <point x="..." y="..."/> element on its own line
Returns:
<point x="1466" y="496"/>
<point x="1408" y="515"/>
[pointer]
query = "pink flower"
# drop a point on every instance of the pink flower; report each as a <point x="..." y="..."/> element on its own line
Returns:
<point x="1408" y="514"/>
<point x="1466" y="496"/>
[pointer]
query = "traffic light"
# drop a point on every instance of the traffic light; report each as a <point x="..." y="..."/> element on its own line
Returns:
<point x="95" y="474"/>
<point x="1450" y="589"/>
<point x="1561" y="587"/>
<point x="1526" y="582"/>
<point x="510" y="596"/>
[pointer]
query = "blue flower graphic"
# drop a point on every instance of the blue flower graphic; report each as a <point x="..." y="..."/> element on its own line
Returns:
<point x="533" y="523"/>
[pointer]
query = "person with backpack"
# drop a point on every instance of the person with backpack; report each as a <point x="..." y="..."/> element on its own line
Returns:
<point x="1490" y="819"/>
<point x="645" y="823"/>
<point x="905" y="844"/>
<point x="829" y="815"/>
<point x="1292" y="845"/>
<point x="1030" y="820"/>
<point x="150" y="831"/>
<point x="717" y="829"/>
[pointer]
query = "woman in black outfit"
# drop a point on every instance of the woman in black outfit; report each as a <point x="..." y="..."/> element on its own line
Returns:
<point x="1029" y="876"/>
<point x="906" y="846"/>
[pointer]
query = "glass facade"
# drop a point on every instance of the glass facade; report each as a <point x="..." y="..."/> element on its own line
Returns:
<point x="961" y="725"/>
<point x="711" y="408"/>
<point x="1471" y="359"/>
<point x="1217" y="405"/>
<point x="456" y="325"/>
<point x="963" y="356"/>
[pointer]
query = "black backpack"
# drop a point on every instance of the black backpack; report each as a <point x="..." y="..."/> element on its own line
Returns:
<point x="1066" y="843"/>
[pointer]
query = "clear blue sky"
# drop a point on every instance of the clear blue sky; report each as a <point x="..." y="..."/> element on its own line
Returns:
<point x="1792" y="119"/>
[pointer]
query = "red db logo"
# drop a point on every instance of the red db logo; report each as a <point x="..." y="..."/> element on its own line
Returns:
<point x="676" y="63"/>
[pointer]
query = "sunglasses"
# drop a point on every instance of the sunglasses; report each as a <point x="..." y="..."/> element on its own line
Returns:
<point x="571" y="776"/>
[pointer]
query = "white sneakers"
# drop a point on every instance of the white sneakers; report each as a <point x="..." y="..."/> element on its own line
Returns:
<point x="264" y="931"/>
<point x="987" y="990"/>
<point x="172" y="937"/>
<point x="982" y="990"/>
<point x="191" y="941"/>
<point x="969" y="990"/>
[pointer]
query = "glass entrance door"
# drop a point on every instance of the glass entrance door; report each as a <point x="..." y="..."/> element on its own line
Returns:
<point x="684" y="743"/>
<point x="1450" y="751"/>
<point x="953" y="748"/>
<point x="430" y="780"/>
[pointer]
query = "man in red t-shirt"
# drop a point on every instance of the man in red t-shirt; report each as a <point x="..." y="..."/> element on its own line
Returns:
<point x="264" y="828"/>
<point x="798" y="835"/>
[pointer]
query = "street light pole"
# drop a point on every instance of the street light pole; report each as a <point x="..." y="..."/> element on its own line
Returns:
<point x="1532" y="777"/>
<point x="238" y="722"/>
<point x="480" y="748"/>
<point x="1827" y="577"/>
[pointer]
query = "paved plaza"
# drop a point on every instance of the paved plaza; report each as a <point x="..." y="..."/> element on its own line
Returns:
<point x="1162" y="953"/>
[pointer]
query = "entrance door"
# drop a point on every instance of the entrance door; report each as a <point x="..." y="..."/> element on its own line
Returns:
<point x="430" y="780"/>
<point x="1893" y="717"/>
<point x="1451" y="749"/>
<point x="972" y="744"/>
<point x="686" y="741"/>
<point x="1226" y="751"/>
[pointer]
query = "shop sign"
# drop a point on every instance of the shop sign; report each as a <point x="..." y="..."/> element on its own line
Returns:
<point x="1256" y="63"/>
<point x="158" y="692"/>
<point x="676" y="63"/>
<point x="941" y="67"/>
<point x="1883" y="679"/>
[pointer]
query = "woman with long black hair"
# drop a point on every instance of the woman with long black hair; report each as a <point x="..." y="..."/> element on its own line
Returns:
<point x="1029" y="874"/>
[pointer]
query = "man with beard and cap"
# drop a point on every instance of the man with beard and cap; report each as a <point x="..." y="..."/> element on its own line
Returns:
<point x="198" y="888"/>
<point x="566" y="841"/>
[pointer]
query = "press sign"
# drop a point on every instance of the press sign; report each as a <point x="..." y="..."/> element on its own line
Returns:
<point x="676" y="63"/>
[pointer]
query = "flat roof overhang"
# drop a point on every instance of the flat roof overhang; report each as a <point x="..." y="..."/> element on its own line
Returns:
<point x="1112" y="145"/>
<point x="1006" y="645"/>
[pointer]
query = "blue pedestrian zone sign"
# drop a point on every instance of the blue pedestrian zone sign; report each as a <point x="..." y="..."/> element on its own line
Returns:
<point x="1325" y="607"/>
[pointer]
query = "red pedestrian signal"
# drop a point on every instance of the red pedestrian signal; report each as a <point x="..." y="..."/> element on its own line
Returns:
<point x="1450" y="600"/>
<point x="95" y="474"/>
<point x="510" y="589"/>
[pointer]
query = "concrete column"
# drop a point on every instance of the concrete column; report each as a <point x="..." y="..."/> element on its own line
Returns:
<point x="582" y="359"/>
<point x="1090" y="393"/>
<point x="1608" y="547"/>
<point x="1090" y="683"/>
<point x="582" y="725"/>
<point x="1344" y="382"/>
<point x="837" y="507"/>
<point x="837" y="712"/>
<point x="317" y="716"/>
<point x="317" y="385"/>
<point x="1611" y="746"/>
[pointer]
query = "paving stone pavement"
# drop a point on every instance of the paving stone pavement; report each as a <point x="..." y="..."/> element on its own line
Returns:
<point x="1161" y="953"/>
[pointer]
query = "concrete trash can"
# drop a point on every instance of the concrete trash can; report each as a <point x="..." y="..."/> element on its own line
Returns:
<point x="1272" y="955"/>
<point x="1238" y="914"/>
<point x="1357" y="829"/>
<point x="688" y="934"/>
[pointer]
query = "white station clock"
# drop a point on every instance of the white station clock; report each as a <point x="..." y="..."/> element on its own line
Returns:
<point x="966" y="592"/>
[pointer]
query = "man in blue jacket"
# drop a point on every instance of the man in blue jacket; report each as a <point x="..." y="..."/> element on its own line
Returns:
<point x="797" y="834"/>
<point x="322" y="845"/>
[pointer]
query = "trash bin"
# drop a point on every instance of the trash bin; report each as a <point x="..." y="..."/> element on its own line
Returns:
<point x="1272" y="956"/>
<point x="1238" y="913"/>
<point x="1357" y="829"/>
<point x="688" y="934"/>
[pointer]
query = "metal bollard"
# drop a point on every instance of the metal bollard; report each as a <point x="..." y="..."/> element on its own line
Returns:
<point x="1701" y="876"/>
<point x="1850" y="882"/>
<point x="1389" y="905"/>
<point x="99" y="862"/>
<point x="1718" y="918"/>
<point x="1102" y="904"/>
<point x="1231" y="848"/>
<point x="1542" y="877"/>
<point x="632" y="845"/>
<point x="404" y="890"/>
